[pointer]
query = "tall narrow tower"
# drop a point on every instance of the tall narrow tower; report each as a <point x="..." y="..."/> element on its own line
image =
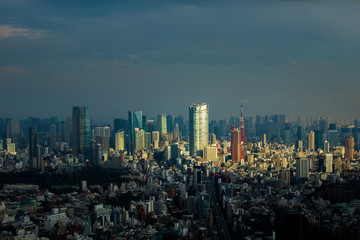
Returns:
<point x="349" y="148"/>
<point x="243" y="139"/>
<point x="81" y="138"/>
<point x="235" y="144"/>
<point x="198" y="128"/>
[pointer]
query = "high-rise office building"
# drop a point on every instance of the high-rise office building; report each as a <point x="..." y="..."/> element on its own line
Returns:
<point x="13" y="130"/>
<point x="66" y="131"/>
<point x="280" y="121"/>
<point x="176" y="134"/>
<point x="323" y="124"/>
<point x="139" y="139"/>
<point x="33" y="141"/>
<point x="105" y="144"/>
<point x="98" y="154"/>
<point x="147" y="141"/>
<point x="300" y="146"/>
<point x="210" y="153"/>
<point x="319" y="139"/>
<point x="155" y="138"/>
<point x="102" y="131"/>
<point x="302" y="168"/>
<point x="150" y="125"/>
<point x="332" y="126"/>
<point x="135" y="121"/>
<point x="170" y="123"/>
<point x="120" y="124"/>
<point x="326" y="147"/>
<point x="287" y="137"/>
<point x="162" y="124"/>
<point x="180" y="121"/>
<point x="264" y="139"/>
<point x="37" y="163"/>
<point x="53" y="136"/>
<point x="144" y="123"/>
<point x="175" y="151"/>
<point x="212" y="139"/>
<point x="349" y="148"/>
<point x="236" y="144"/>
<point x="329" y="163"/>
<point x="311" y="141"/>
<point x="333" y="138"/>
<point x="198" y="127"/>
<point x="299" y="133"/>
<point x="120" y="141"/>
<point x="81" y="134"/>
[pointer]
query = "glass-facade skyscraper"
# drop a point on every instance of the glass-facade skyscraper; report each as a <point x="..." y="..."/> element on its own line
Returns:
<point x="162" y="124"/>
<point x="81" y="134"/>
<point x="198" y="127"/>
<point x="33" y="141"/>
<point x="135" y="121"/>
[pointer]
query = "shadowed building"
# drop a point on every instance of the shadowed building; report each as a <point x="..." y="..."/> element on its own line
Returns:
<point x="135" y="121"/>
<point x="81" y="138"/>
<point x="311" y="141"/>
<point x="33" y="141"/>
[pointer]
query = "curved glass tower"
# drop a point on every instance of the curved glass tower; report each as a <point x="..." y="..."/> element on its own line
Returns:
<point x="198" y="128"/>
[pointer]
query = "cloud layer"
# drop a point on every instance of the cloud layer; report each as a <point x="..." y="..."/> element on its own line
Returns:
<point x="7" y="31"/>
<point x="291" y="57"/>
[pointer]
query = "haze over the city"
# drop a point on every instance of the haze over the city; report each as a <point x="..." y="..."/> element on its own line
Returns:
<point x="290" y="57"/>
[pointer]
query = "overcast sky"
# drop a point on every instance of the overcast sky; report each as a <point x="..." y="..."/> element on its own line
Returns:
<point x="289" y="57"/>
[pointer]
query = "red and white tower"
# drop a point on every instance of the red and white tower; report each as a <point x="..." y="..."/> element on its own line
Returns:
<point x="243" y="139"/>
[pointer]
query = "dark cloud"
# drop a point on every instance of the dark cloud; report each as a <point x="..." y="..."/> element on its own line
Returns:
<point x="287" y="57"/>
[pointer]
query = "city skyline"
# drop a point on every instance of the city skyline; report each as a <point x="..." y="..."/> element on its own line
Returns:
<point x="291" y="58"/>
<point x="154" y="117"/>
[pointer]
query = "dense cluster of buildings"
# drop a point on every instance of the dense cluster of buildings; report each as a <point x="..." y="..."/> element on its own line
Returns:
<point x="260" y="177"/>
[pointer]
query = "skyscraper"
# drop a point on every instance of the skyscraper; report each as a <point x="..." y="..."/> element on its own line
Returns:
<point x="169" y="123"/>
<point x="329" y="163"/>
<point x="326" y="147"/>
<point x="280" y="121"/>
<point x="311" y="141"/>
<point x="161" y="123"/>
<point x="119" y="140"/>
<point x="33" y="141"/>
<point x="81" y="138"/>
<point x="147" y="141"/>
<point x="139" y="139"/>
<point x="65" y="131"/>
<point x="302" y="168"/>
<point x="14" y="130"/>
<point x="53" y="136"/>
<point x="180" y="121"/>
<point x="155" y="138"/>
<point x="212" y="139"/>
<point x="235" y="144"/>
<point x="135" y="121"/>
<point x="176" y="135"/>
<point x="150" y="126"/>
<point x="120" y="124"/>
<point x="319" y="139"/>
<point x="349" y="148"/>
<point x="198" y="127"/>
<point x="333" y="138"/>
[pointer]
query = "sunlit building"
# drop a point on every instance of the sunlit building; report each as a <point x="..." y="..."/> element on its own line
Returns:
<point x="198" y="128"/>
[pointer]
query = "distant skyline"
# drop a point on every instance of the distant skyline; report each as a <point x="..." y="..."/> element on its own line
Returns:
<point x="276" y="57"/>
